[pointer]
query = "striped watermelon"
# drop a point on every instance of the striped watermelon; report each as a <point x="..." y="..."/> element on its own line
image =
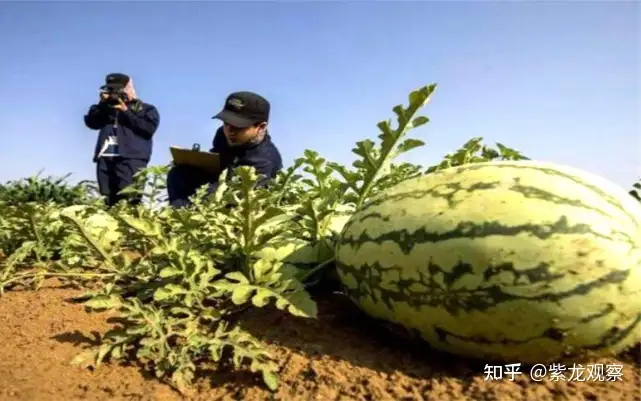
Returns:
<point x="513" y="260"/>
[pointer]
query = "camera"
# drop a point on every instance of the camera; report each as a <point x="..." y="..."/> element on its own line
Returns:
<point x="113" y="94"/>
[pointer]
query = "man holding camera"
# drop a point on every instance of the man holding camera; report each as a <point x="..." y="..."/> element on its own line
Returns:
<point x="241" y="141"/>
<point x="126" y="126"/>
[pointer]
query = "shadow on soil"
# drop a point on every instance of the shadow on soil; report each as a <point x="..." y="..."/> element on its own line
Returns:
<point x="341" y="333"/>
<point x="83" y="341"/>
<point x="79" y="338"/>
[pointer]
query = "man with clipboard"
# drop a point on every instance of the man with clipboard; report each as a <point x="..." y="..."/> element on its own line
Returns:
<point x="243" y="140"/>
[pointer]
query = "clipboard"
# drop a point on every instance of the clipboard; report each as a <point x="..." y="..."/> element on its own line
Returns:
<point x="210" y="162"/>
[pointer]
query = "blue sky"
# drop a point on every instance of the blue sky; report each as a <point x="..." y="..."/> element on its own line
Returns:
<point x="558" y="81"/>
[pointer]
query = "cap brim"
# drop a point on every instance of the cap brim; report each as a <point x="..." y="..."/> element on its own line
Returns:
<point x="112" y="86"/>
<point x="234" y="119"/>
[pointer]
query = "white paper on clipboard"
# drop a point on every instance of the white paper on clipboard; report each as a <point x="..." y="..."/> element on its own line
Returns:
<point x="207" y="161"/>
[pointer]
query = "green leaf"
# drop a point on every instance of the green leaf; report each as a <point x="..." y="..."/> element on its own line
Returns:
<point x="261" y="298"/>
<point x="86" y="358"/>
<point x="237" y="276"/>
<point x="420" y="120"/>
<point x="271" y="380"/>
<point x="102" y="302"/>
<point x="410" y="144"/>
<point x="240" y="295"/>
<point x="103" y="352"/>
<point x="149" y="228"/>
<point x="170" y="272"/>
<point x="118" y="352"/>
<point x="168" y="291"/>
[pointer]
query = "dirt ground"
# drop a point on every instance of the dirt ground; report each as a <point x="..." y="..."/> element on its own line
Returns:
<point x="341" y="356"/>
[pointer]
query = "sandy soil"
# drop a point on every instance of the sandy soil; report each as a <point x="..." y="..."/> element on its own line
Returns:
<point x="341" y="356"/>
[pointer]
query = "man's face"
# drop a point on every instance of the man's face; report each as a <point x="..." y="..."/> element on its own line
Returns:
<point x="241" y="136"/>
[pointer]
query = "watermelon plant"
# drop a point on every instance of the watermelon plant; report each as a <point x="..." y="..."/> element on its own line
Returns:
<point x="182" y="279"/>
<point x="37" y="189"/>
<point x="29" y="231"/>
<point x="636" y="191"/>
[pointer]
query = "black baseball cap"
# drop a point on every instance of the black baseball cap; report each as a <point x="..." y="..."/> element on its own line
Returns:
<point x="244" y="109"/>
<point x="116" y="80"/>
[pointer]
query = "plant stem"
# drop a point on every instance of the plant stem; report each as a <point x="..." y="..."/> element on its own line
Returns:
<point x="27" y="275"/>
<point x="316" y="270"/>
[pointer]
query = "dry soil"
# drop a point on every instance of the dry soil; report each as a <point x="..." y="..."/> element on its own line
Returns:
<point x="340" y="356"/>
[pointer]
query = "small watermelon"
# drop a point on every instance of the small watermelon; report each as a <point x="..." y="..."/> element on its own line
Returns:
<point x="306" y="255"/>
<point x="99" y="224"/>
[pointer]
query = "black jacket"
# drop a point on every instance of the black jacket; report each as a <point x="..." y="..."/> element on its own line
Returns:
<point x="263" y="156"/>
<point x="134" y="131"/>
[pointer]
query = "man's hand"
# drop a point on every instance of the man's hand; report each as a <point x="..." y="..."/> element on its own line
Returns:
<point x="121" y="106"/>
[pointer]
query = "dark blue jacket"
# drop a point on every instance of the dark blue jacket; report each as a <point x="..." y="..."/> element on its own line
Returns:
<point x="134" y="131"/>
<point x="263" y="156"/>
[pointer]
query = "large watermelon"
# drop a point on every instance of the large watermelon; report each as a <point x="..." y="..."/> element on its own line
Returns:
<point x="515" y="261"/>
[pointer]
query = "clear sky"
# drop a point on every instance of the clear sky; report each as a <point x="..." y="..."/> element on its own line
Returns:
<point x="559" y="81"/>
